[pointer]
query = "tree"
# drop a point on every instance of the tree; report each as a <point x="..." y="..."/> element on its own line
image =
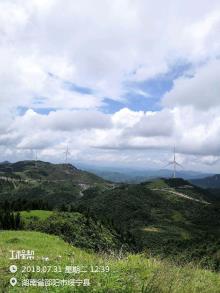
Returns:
<point x="17" y="221"/>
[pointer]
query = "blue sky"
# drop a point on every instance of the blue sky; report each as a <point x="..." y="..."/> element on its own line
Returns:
<point x="140" y="96"/>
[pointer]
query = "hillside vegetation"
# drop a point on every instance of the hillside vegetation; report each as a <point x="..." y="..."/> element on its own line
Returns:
<point x="132" y="273"/>
<point x="27" y="170"/>
<point x="153" y="225"/>
<point x="212" y="185"/>
<point x="53" y="184"/>
<point x="167" y="217"/>
<point x="75" y="228"/>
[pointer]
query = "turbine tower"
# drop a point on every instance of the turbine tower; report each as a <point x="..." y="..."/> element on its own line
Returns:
<point x="67" y="153"/>
<point x="174" y="163"/>
<point x="36" y="158"/>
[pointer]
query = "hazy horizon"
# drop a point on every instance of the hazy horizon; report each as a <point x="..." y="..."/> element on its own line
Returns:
<point x="116" y="168"/>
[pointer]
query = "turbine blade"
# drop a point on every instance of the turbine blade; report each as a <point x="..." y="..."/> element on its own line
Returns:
<point x="170" y="163"/>
<point x="178" y="164"/>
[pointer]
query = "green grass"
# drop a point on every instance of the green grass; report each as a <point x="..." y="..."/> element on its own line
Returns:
<point x="131" y="274"/>
<point x="159" y="183"/>
<point x="40" y="214"/>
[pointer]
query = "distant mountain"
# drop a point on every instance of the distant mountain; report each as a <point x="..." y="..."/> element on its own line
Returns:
<point x="4" y="162"/>
<point x="138" y="176"/>
<point x="37" y="180"/>
<point x="208" y="182"/>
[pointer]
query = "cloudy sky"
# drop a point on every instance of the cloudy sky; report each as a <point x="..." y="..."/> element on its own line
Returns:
<point x="120" y="81"/>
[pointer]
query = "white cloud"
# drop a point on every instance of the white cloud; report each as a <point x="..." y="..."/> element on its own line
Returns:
<point x="152" y="124"/>
<point x="79" y="42"/>
<point x="47" y="47"/>
<point x="62" y="120"/>
<point x="124" y="134"/>
<point x="202" y="90"/>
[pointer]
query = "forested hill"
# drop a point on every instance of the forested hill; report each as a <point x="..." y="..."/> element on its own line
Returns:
<point x="208" y="182"/>
<point x="165" y="216"/>
<point x="30" y="170"/>
<point x="55" y="184"/>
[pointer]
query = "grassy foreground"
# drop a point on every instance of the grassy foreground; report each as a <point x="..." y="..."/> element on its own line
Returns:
<point x="134" y="273"/>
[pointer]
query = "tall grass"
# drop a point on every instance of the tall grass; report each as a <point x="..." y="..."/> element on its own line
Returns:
<point x="128" y="273"/>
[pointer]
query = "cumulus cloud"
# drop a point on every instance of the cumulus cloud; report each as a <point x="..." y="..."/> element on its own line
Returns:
<point x="78" y="42"/>
<point x="62" y="120"/>
<point x="201" y="90"/>
<point x="192" y="131"/>
<point x="60" y="62"/>
<point x="154" y="124"/>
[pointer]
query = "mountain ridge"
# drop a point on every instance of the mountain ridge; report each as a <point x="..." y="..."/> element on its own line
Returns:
<point x="208" y="182"/>
<point x="38" y="180"/>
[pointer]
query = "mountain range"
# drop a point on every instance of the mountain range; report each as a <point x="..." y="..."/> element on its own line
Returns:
<point x="167" y="217"/>
<point x="212" y="182"/>
<point x="133" y="175"/>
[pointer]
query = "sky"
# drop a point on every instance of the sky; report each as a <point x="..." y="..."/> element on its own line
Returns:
<point x="120" y="82"/>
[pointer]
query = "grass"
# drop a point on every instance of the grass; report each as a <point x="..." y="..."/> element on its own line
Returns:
<point x="159" y="183"/>
<point x="130" y="274"/>
<point x="40" y="214"/>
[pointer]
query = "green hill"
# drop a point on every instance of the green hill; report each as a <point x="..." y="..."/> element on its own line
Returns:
<point x="169" y="217"/>
<point x="208" y="182"/>
<point x="128" y="274"/>
<point x="55" y="184"/>
<point x="166" y="218"/>
<point x="39" y="170"/>
<point x="79" y="230"/>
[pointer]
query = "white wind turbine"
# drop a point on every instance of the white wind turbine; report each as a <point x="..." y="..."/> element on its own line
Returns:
<point x="67" y="153"/>
<point x="174" y="163"/>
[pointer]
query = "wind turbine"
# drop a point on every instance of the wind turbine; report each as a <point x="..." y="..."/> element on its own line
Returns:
<point x="36" y="155"/>
<point x="36" y="158"/>
<point x="174" y="163"/>
<point x="67" y="153"/>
